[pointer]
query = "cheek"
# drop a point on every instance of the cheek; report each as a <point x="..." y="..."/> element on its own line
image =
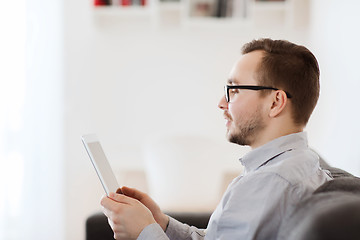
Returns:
<point x="242" y="113"/>
<point x="238" y="112"/>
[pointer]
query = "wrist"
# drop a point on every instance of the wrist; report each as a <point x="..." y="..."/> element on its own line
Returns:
<point x="164" y="222"/>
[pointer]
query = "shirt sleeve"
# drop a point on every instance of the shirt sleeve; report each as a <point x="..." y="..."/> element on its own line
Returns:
<point x="252" y="210"/>
<point x="175" y="231"/>
<point x="153" y="232"/>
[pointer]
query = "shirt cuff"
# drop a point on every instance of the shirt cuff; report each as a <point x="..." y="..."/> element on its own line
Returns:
<point x="153" y="232"/>
<point x="177" y="230"/>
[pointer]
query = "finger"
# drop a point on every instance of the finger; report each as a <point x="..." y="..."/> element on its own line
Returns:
<point x="134" y="193"/>
<point x="105" y="201"/>
<point x="121" y="198"/>
<point x="102" y="198"/>
<point x="110" y="204"/>
<point x="107" y="212"/>
<point x="109" y="208"/>
<point x="119" y="191"/>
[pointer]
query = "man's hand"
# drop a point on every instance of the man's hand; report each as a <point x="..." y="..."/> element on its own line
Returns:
<point x="158" y="215"/>
<point x="127" y="216"/>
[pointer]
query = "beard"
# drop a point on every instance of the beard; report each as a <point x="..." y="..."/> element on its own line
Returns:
<point x="246" y="131"/>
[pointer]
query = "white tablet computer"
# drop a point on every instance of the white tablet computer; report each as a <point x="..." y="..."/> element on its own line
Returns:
<point x="100" y="163"/>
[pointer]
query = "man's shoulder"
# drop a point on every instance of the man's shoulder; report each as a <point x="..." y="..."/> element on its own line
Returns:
<point x="295" y="166"/>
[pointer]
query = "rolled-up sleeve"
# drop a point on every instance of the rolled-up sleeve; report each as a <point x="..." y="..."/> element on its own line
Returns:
<point x="152" y="232"/>
<point x="175" y="231"/>
<point x="178" y="230"/>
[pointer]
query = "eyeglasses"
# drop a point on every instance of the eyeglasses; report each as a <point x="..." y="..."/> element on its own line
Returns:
<point x="229" y="95"/>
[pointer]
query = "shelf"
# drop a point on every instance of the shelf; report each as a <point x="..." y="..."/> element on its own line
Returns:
<point x="169" y="6"/>
<point x="214" y="22"/>
<point x="113" y="11"/>
<point x="270" y="5"/>
<point x="178" y="13"/>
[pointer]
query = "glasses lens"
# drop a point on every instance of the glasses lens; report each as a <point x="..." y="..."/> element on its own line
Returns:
<point x="226" y="89"/>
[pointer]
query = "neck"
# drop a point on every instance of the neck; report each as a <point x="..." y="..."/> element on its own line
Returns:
<point x="273" y="131"/>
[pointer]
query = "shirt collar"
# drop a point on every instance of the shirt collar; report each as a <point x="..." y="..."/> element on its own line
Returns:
<point x="259" y="156"/>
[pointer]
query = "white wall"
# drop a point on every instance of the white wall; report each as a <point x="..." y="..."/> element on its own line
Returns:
<point x="41" y="140"/>
<point x="335" y="38"/>
<point x="128" y="82"/>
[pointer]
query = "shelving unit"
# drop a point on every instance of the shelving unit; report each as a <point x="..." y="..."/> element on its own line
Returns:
<point x="271" y="13"/>
<point x="271" y="5"/>
<point x="123" y="11"/>
<point x="169" y="5"/>
<point x="182" y="13"/>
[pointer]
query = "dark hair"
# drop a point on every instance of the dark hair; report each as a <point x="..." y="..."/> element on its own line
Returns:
<point x="292" y="68"/>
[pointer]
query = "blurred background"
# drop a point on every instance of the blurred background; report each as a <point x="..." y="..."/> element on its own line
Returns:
<point x="146" y="77"/>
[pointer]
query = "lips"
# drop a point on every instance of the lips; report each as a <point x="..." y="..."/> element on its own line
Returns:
<point x="227" y="116"/>
<point x="228" y="119"/>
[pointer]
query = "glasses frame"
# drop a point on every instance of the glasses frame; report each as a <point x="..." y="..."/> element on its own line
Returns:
<point x="249" y="87"/>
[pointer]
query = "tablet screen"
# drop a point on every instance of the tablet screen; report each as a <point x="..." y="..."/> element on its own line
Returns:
<point x="100" y="163"/>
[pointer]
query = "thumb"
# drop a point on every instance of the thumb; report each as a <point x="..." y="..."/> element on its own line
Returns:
<point x="133" y="193"/>
<point x="119" y="191"/>
<point x="119" y="198"/>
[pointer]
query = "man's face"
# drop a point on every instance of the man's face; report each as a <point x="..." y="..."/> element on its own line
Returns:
<point x="244" y="113"/>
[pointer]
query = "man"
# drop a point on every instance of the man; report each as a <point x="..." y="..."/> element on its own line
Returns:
<point x="269" y="97"/>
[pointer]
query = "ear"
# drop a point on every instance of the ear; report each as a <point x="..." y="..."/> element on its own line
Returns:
<point x="279" y="101"/>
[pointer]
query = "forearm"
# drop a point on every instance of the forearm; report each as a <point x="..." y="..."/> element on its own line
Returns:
<point x="175" y="231"/>
<point x="153" y="232"/>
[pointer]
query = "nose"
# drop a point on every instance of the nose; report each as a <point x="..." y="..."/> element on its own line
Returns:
<point x="223" y="104"/>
